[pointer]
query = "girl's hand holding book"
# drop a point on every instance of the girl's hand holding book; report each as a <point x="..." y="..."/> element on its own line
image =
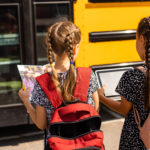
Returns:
<point x="24" y="95"/>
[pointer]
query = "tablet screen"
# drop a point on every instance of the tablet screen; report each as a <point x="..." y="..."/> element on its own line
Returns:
<point x="110" y="78"/>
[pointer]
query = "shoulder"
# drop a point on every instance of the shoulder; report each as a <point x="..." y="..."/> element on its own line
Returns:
<point x="37" y="88"/>
<point x="131" y="85"/>
<point x="133" y="74"/>
<point x="132" y="78"/>
<point x="93" y="76"/>
<point x="38" y="96"/>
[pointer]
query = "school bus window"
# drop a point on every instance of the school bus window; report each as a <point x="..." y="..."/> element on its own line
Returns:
<point x="9" y="55"/>
<point x="46" y="15"/>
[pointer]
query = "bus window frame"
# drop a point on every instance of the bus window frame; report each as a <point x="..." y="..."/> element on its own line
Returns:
<point x="41" y="2"/>
<point x="70" y="2"/>
<point x="19" y="24"/>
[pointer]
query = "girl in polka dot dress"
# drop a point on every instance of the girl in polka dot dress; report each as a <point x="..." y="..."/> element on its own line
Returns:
<point x="132" y="89"/>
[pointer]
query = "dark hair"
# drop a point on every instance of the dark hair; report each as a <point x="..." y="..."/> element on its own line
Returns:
<point x="62" y="36"/>
<point x="144" y="30"/>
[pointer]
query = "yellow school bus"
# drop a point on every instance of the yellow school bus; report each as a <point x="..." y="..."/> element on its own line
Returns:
<point x="108" y="30"/>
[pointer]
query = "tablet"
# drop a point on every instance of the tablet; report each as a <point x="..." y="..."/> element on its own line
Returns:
<point x="110" y="78"/>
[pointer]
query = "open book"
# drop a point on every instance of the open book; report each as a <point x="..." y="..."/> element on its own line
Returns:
<point x="28" y="74"/>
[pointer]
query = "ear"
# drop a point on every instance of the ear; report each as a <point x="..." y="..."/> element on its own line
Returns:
<point x="75" y="49"/>
<point x="142" y="39"/>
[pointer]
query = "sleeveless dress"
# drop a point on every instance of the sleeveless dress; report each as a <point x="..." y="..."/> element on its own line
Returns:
<point x="131" y="87"/>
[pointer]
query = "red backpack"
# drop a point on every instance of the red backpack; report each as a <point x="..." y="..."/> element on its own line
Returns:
<point x="74" y="125"/>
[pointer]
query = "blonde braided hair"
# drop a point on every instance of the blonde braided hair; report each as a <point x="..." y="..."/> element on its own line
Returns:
<point x="50" y="58"/>
<point x="62" y="37"/>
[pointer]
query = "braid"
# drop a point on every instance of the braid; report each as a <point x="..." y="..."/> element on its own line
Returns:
<point x="147" y="48"/>
<point x="49" y="50"/>
<point x="147" y="44"/>
<point x="144" y="29"/>
<point x="69" y="45"/>
<point x="50" y="58"/>
<point x="69" y="83"/>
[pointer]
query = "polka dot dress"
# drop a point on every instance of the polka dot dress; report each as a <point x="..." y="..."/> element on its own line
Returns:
<point x="131" y="87"/>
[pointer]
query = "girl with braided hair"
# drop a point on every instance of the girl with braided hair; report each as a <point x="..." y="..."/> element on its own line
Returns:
<point x="132" y="88"/>
<point x="63" y="42"/>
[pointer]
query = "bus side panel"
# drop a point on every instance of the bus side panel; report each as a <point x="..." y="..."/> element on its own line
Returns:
<point x="100" y="17"/>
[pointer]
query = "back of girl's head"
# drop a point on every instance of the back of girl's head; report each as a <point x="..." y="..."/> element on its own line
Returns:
<point x="144" y="30"/>
<point x="62" y="37"/>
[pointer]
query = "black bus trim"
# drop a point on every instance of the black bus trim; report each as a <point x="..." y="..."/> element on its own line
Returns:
<point x="112" y="35"/>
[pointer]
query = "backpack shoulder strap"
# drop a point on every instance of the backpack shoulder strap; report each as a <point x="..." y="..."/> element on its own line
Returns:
<point x="49" y="89"/>
<point x="82" y="83"/>
<point x="81" y="87"/>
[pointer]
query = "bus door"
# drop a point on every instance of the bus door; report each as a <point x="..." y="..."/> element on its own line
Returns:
<point x="108" y="30"/>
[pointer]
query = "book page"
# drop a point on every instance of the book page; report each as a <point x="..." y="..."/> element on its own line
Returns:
<point x="28" y="74"/>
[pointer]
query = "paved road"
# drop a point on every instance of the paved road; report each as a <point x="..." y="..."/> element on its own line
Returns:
<point x="112" y="130"/>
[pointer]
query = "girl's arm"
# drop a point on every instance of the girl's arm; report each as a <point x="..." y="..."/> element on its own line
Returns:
<point x="38" y="114"/>
<point x="123" y="107"/>
<point x="96" y="100"/>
